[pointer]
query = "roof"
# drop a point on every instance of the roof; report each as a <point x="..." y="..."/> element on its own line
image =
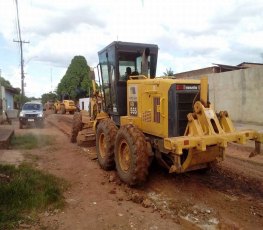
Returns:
<point x="217" y="68"/>
<point x="249" y="63"/>
<point x="228" y="67"/>
<point x="12" y="90"/>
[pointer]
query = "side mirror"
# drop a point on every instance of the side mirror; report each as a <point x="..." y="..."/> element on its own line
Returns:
<point x="145" y="63"/>
<point x="147" y="52"/>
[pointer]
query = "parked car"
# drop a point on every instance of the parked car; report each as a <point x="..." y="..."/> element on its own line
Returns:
<point x="32" y="113"/>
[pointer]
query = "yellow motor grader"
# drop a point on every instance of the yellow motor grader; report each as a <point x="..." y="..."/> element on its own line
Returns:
<point x="134" y="117"/>
<point x="64" y="106"/>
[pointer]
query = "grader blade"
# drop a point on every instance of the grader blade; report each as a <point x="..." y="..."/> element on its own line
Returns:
<point x="86" y="138"/>
<point x="257" y="149"/>
<point x="228" y="127"/>
<point x="206" y="137"/>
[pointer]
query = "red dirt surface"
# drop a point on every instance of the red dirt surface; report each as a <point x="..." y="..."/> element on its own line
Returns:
<point x="230" y="196"/>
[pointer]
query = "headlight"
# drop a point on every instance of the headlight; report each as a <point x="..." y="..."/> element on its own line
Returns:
<point x="21" y="114"/>
<point x="40" y="115"/>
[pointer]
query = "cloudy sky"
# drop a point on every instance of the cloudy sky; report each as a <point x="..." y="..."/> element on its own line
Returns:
<point x="191" y="34"/>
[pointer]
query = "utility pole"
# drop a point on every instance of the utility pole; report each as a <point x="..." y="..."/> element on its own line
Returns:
<point x="51" y="79"/>
<point x="22" y="69"/>
<point x="21" y="56"/>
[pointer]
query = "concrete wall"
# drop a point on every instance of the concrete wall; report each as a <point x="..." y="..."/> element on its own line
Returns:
<point x="3" y="103"/>
<point x="84" y="104"/>
<point x="239" y="92"/>
<point x="12" y="113"/>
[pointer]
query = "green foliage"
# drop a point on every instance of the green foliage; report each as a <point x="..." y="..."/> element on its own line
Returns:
<point x="24" y="190"/>
<point x="4" y="82"/>
<point x="31" y="141"/>
<point x="169" y="72"/>
<point x="17" y="100"/>
<point x="31" y="99"/>
<point x="48" y="97"/>
<point x="76" y="83"/>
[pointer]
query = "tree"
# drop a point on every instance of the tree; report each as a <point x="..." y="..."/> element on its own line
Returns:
<point x="5" y="83"/>
<point x="76" y="82"/>
<point x="48" y="97"/>
<point x="169" y="72"/>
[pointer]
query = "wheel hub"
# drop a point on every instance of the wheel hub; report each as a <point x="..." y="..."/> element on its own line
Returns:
<point x="124" y="156"/>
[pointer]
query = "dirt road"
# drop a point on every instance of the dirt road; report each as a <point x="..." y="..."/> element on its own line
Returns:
<point x="228" y="197"/>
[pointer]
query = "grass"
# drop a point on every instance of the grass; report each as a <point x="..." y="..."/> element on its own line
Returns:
<point x="24" y="190"/>
<point x="31" y="141"/>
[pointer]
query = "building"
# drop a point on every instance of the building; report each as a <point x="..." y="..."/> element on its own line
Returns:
<point x="236" y="89"/>
<point x="217" y="68"/>
<point x="84" y="104"/>
<point x="7" y="103"/>
<point x="9" y="96"/>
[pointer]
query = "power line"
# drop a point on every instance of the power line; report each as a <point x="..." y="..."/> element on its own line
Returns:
<point x="21" y="54"/>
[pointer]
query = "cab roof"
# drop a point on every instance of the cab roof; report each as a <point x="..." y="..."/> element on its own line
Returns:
<point x="129" y="46"/>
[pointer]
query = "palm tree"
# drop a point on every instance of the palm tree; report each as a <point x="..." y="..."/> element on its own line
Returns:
<point x="169" y="72"/>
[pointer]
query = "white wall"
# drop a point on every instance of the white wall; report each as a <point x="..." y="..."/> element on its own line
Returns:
<point x="239" y="92"/>
<point x="84" y="104"/>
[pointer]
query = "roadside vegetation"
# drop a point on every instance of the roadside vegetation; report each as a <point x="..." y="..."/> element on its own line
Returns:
<point x="25" y="191"/>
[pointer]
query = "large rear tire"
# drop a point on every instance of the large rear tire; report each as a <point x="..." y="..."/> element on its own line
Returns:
<point x="131" y="155"/>
<point x="54" y="109"/>
<point x="105" y="136"/>
<point x="76" y="127"/>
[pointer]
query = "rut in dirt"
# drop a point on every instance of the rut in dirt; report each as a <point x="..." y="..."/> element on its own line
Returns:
<point x="218" y="178"/>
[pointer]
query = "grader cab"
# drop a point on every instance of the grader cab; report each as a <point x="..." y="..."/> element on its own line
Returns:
<point x="139" y="117"/>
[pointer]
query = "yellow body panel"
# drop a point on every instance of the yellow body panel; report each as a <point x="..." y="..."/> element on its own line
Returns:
<point x="140" y="104"/>
<point x="69" y="105"/>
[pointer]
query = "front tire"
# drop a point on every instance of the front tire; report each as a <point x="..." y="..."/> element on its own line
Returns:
<point x="131" y="155"/>
<point x="63" y="110"/>
<point x="54" y="109"/>
<point x="105" y="136"/>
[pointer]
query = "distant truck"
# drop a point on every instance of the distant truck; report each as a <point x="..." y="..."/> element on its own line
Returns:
<point x="64" y="107"/>
<point x="32" y="113"/>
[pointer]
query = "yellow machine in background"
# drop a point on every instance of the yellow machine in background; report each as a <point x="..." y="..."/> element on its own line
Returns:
<point x="136" y="117"/>
<point x="65" y="106"/>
